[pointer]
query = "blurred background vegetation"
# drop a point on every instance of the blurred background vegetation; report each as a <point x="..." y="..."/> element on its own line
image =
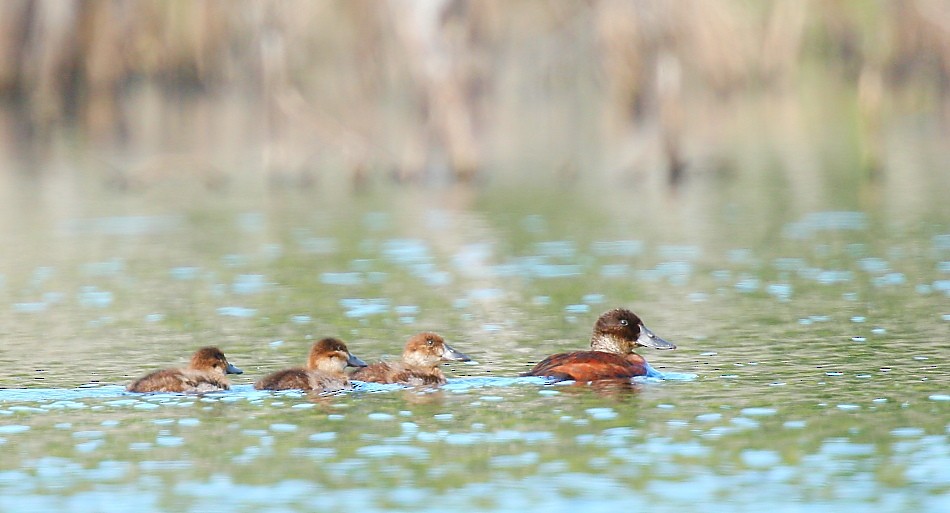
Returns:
<point x="444" y="91"/>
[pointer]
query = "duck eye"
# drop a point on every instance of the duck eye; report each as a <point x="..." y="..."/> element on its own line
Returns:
<point x="429" y="341"/>
<point x="623" y="322"/>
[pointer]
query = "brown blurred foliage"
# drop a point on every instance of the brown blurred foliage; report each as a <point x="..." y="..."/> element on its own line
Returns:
<point x="415" y="86"/>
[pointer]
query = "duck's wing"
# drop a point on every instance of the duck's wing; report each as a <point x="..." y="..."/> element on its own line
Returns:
<point x="203" y="381"/>
<point x="379" y="372"/>
<point x="286" y="379"/>
<point x="587" y="366"/>
<point x="399" y="372"/>
<point x="165" y="380"/>
<point x="419" y="376"/>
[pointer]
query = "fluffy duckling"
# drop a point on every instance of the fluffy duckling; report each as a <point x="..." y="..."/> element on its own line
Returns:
<point x="419" y="365"/>
<point x="205" y="373"/>
<point x="323" y="373"/>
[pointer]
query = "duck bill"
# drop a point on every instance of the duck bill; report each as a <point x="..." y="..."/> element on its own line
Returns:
<point x="451" y="355"/>
<point x="649" y="339"/>
<point x="353" y="361"/>
<point x="232" y="369"/>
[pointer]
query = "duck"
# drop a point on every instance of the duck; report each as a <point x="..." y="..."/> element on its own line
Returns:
<point x="419" y="365"/>
<point x="323" y="373"/>
<point x="617" y="333"/>
<point x="206" y="372"/>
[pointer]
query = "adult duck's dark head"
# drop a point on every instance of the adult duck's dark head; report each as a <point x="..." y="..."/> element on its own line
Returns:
<point x="621" y="331"/>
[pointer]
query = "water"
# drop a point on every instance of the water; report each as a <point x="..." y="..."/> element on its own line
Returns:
<point x="811" y="371"/>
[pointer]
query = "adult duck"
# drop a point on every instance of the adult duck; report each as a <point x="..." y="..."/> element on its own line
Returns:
<point x="617" y="333"/>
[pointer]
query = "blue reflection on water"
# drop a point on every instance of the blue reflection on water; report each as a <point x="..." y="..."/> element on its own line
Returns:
<point x="60" y="398"/>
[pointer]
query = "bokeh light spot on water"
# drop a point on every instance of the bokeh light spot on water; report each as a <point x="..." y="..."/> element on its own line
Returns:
<point x="237" y="311"/>
<point x="747" y="284"/>
<point x="30" y="307"/>
<point x="907" y="432"/>
<point x="341" y="278"/>
<point x="760" y="458"/>
<point x="577" y="308"/>
<point x="601" y="413"/>
<point x="169" y="441"/>
<point x="816" y="222"/>
<point x="246" y="284"/>
<point x="709" y="417"/>
<point x="359" y="307"/>
<point x="874" y="265"/>
<point x="91" y="296"/>
<point x="759" y="411"/>
<point x="889" y="280"/>
<point x="184" y="273"/>
<point x="781" y="291"/>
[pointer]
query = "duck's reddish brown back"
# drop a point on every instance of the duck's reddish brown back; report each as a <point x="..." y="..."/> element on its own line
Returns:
<point x="590" y="366"/>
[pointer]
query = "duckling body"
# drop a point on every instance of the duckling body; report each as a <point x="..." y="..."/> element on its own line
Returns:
<point x="206" y="372"/>
<point x="323" y="373"/>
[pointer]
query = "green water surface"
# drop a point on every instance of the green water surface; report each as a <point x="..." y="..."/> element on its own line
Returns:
<point x="811" y="372"/>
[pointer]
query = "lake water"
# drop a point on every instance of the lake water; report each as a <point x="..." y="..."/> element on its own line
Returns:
<point x="811" y="372"/>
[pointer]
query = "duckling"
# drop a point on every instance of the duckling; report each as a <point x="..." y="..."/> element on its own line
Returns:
<point x="419" y="365"/>
<point x="323" y="373"/>
<point x="207" y="372"/>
